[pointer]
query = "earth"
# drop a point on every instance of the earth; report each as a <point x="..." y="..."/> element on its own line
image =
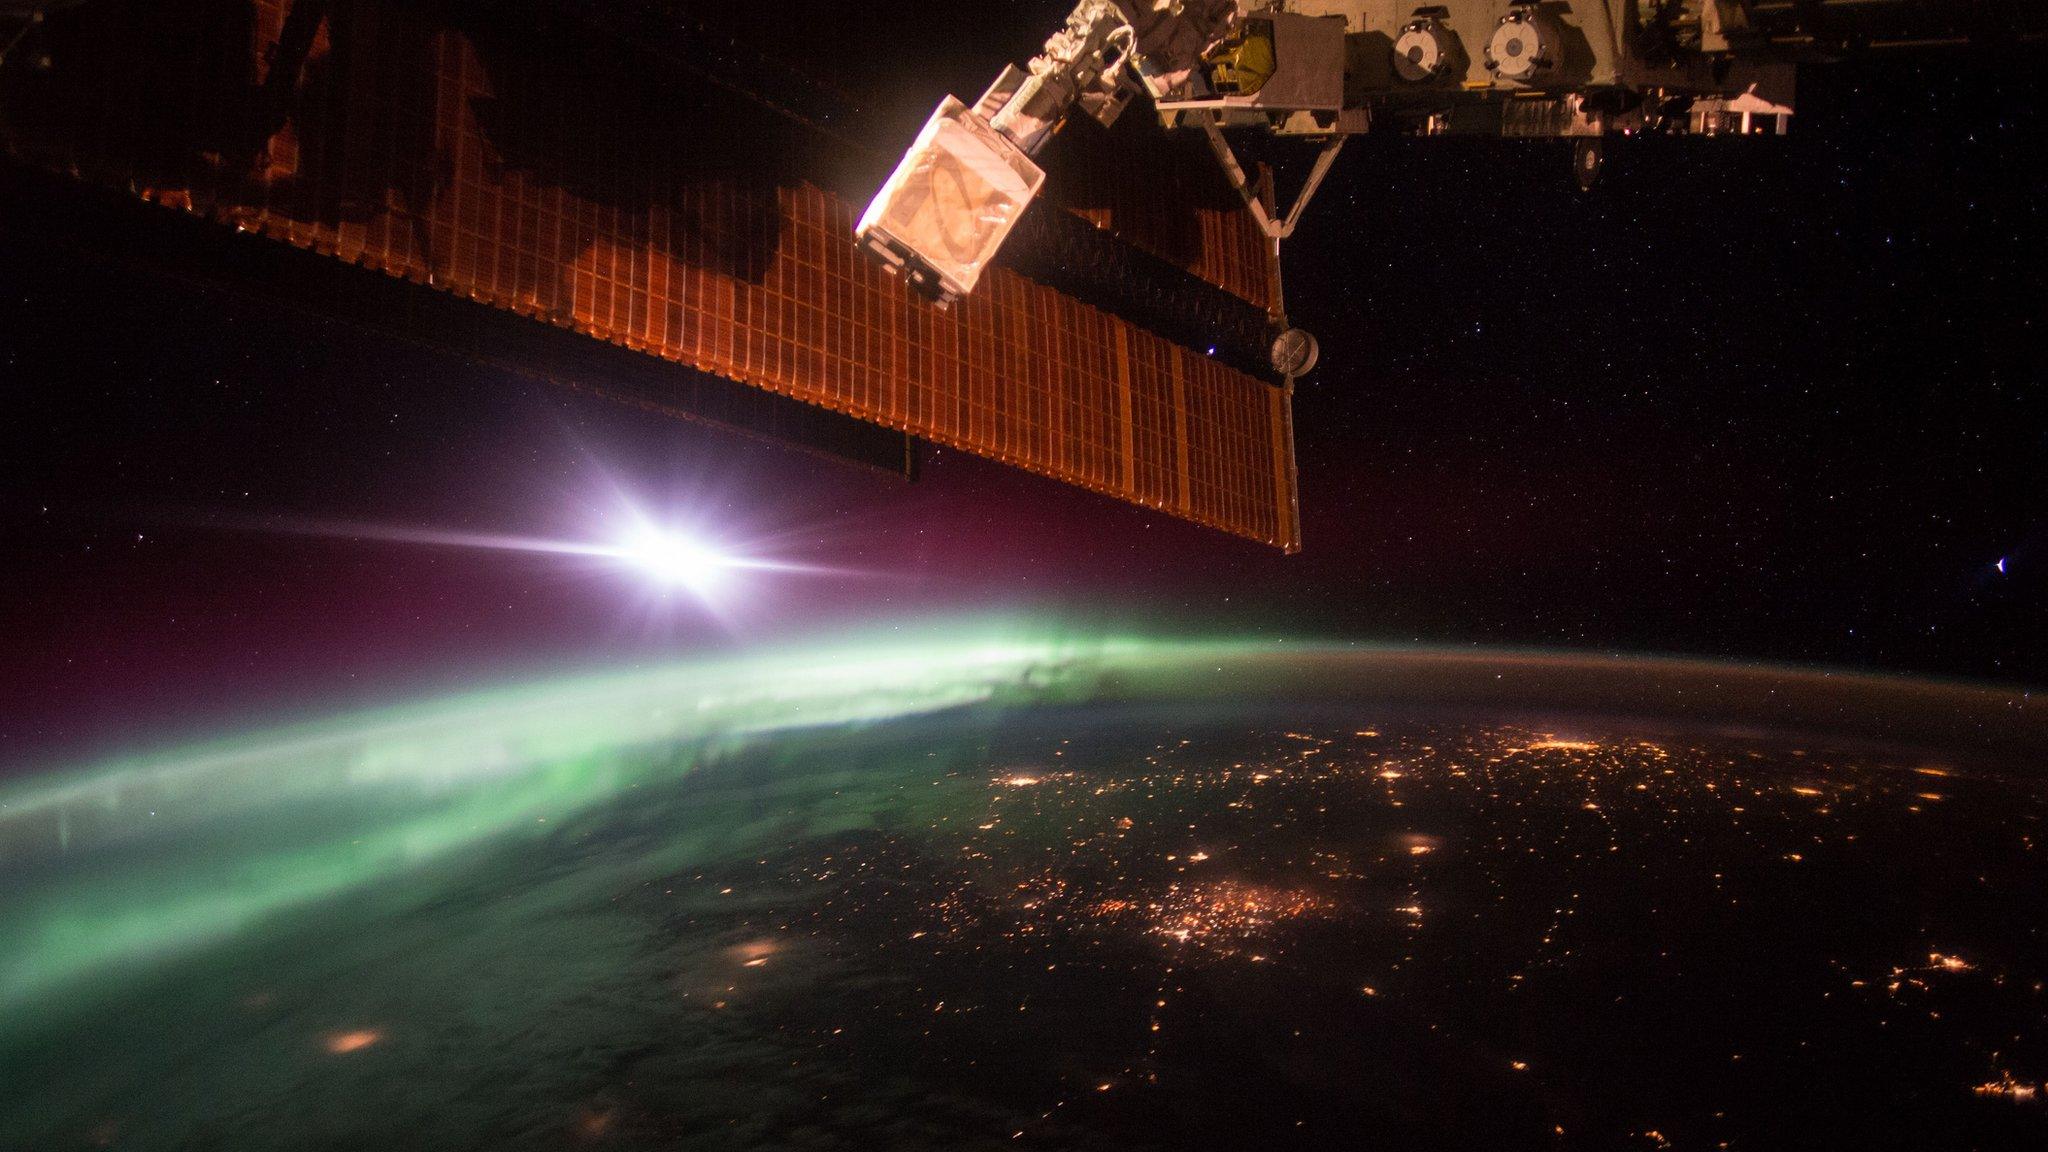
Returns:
<point x="1007" y="890"/>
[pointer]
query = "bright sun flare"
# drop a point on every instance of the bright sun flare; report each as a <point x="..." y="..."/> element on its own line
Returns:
<point x="676" y="561"/>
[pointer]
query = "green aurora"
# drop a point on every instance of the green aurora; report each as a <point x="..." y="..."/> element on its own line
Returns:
<point x="152" y="857"/>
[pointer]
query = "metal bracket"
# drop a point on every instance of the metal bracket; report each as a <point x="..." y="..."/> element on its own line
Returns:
<point x="1275" y="230"/>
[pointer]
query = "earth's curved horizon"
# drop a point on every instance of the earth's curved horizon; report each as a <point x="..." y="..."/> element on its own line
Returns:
<point x="814" y="897"/>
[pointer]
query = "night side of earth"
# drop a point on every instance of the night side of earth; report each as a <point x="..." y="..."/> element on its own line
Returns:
<point x="1021" y="890"/>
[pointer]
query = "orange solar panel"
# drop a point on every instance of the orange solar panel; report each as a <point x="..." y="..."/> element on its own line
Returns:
<point x="379" y="158"/>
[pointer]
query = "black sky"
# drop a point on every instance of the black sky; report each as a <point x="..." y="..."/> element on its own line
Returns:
<point x="1760" y="399"/>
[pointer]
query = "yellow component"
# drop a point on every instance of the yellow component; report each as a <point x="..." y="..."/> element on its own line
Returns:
<point x="1245" y="66"/>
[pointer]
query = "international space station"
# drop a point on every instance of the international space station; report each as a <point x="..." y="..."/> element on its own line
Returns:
<point x="1322" y="71"/>
<point x="623" y="197"/>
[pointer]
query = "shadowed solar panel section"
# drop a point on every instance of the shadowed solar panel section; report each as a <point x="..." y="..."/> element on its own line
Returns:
<point x="1162" y="192"/>
<point x="382" y="135"/>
